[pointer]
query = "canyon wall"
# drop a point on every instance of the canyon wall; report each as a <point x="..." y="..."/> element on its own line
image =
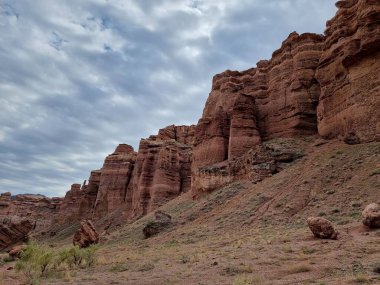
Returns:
<point x="134" y="183"/>
<point x="348" y="72"/>
<point x="314" y="85"/>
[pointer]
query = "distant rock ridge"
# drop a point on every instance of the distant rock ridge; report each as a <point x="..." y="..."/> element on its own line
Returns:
<point x="314" y="85"/>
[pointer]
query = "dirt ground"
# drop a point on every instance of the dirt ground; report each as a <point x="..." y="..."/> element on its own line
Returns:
<point x="252" y="234"/>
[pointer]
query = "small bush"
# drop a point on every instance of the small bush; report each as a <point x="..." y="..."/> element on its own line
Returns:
<point x="146" y="267"/>
<point x="120" y="267"/>
<point x="39" y="261"/>
<point x="300" y="268"/>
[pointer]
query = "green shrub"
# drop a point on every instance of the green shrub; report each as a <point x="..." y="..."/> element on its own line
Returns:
<point x="39" y="261"/>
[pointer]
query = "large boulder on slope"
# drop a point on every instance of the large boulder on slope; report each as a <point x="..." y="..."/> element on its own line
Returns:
<point x="86" y="235"/>
<point x="371" y="215"/>
<point x="322" y="228"/>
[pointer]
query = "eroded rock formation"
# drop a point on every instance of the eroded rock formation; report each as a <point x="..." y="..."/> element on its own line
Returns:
<point x="86" y="235"/>
<point x="115" y="177"/>
<point x="13" y="231"/>
<point x="162" y="170"/>
<point x="348" y="72"/>
<point x="325" y="85"/>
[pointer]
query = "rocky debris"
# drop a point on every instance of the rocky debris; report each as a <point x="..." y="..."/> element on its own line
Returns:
<point x="260" y="162"/>
<point x="351" y="138"/>
<point x="162" y="221"/>
<point x="322" y="228"/>
<point x="348" y="72"/>
<point x="14" y="231"/>
<point x="371" y="215"/>
<point x="86" y="235"/>
<point x="16" y="251"/>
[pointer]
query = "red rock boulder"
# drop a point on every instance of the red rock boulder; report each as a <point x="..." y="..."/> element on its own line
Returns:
<point x="371" y="215"/>
<point x="86" y="235"/>
<point x="322" y="228"/>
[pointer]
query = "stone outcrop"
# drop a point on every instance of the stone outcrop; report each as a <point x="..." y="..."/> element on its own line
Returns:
<point x="161" y="222"/>
<point x="86" y="235"/>
<point x="135" y="183"/>
<point x="16" y="251"/>
<point x="260" y="162"/>
<point x="371" y="215"/>
<point x="38" y="209"/>
<point x="13" y="231"/>
<point x="322" y="228"/>
<point x="162" y="170"/>
<point x="115" y="178"/>
<point x="277" y="99"/>
<point x="348" y="72"/>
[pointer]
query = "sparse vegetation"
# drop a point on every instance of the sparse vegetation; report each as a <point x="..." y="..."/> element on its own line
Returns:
<point x="120" y="267"/>
<point x="299" y="268"/>
<point x="38" y="261"/>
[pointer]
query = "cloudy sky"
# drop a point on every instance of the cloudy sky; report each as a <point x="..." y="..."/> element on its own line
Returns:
<point x="79" y="77"/>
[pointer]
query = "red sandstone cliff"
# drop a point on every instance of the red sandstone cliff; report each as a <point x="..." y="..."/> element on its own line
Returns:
<point x="325" y="85"/>
<point x="348" y="72"/>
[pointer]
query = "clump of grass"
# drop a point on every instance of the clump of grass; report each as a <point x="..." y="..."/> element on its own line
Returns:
<point x="39" y="261"/>
<point x="361" y="279"/>
<point x="375" y="172"/>
<point x="185" y="259"/>
<point x="308" y="250"/>
<point x="245" y="280"/>
<point x="299" y="268"/>
<point x="120" y="267"/>
<point x="235" y="270"/>
<point x="146" y="267"/>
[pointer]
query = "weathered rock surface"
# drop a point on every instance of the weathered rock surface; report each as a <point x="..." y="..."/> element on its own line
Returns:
<point x="371" y="215"/>
<point x="276" y="99"/>
<point x="314" y="84"/>
<point x="115" y="177"/>
<point x="162" y="221"/>
<point x="260" y="162"/>
<point x="86" y="235"/>
<point x="162" y="170"/>
<point x="40" y="210"/>
<point x="348" y="72"/>
<point x="16" y="251"/>
<point x="322" y="228"/>
<point x="14" y="231"/>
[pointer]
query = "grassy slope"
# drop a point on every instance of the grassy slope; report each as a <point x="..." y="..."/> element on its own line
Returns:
<point x="256" y="234"/>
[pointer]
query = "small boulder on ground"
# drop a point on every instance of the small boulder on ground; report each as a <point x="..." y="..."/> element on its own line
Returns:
<point x="322" y="228"/>
<point x="16" y="251"/>
<point x="371" y="216"/>
<point x="86" y="235"/>
<point x="162" y="221"/>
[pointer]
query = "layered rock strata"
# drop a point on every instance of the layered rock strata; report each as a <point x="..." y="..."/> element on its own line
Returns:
<point x="13" y="231"/>
<point x="325" y="85"/>
<point x="348" y="72"/>
<point x="135" y="183"/>
<point x="38" y="209"/>
<point x="275" y="100"/>
<point x="162" y="170"/>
